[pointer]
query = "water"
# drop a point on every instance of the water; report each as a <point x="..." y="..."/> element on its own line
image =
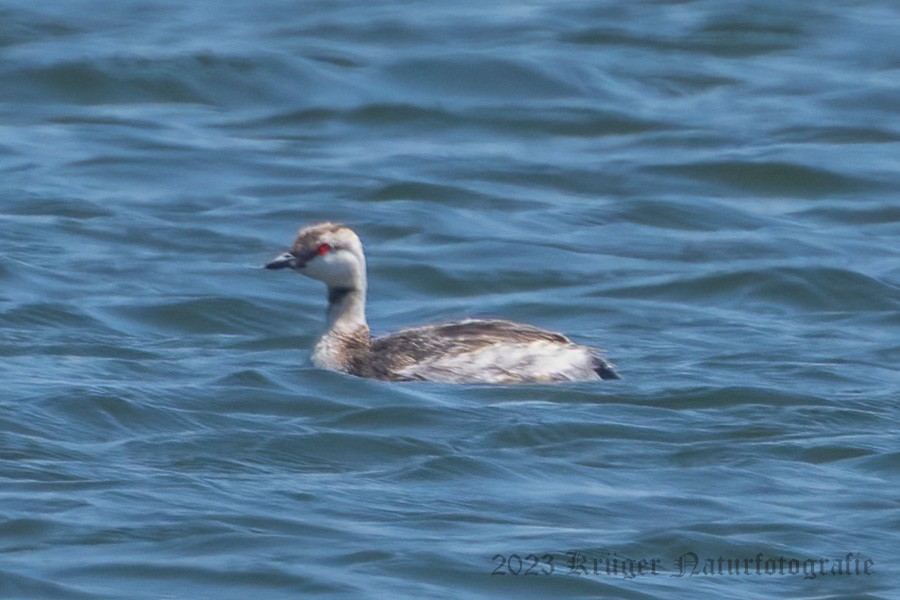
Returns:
<point x="706" y="190"/>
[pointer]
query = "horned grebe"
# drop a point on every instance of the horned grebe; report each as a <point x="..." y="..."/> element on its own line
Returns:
<point x="470" y="351"/>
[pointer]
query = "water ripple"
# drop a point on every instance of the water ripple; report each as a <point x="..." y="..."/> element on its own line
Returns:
<point x="706" y="192"/>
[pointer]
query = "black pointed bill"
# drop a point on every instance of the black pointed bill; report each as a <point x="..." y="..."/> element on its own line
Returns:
<point x="285" y="261"/>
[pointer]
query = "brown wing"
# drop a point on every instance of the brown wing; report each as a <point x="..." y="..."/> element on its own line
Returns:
<point x="408" y="347"/>
<point x="493" y="331"/>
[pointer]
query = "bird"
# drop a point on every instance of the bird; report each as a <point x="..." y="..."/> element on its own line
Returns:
<point x="474" y="351"/>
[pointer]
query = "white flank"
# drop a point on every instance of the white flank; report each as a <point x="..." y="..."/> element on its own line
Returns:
<point x="509" y="363"/>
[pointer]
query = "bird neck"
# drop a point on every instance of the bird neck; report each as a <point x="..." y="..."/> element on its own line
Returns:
<point x="346" y="309"/>
<point x="347" y="339"/>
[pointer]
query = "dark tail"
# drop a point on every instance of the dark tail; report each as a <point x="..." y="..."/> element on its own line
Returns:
<point x="604" y="369"/>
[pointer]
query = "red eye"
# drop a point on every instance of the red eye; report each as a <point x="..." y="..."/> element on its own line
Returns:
<point x="323" y="249"/>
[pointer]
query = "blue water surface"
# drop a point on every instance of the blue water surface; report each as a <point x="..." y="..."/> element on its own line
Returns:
<point x="706" y="190"/>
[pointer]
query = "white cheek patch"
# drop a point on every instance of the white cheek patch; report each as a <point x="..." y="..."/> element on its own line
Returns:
<point x="336" y="269"/>
<point x="508" y="363"/>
